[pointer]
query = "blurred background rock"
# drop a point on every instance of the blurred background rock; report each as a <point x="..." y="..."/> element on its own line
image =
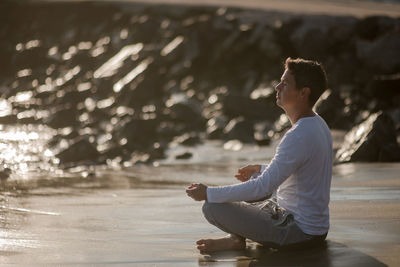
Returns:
<point x="123" y="83"/>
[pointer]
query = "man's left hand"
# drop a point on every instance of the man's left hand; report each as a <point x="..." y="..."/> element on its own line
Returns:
<point x="197" y="191"/>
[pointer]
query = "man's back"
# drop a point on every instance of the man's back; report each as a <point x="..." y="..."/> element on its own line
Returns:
<point x="306" y="192"/>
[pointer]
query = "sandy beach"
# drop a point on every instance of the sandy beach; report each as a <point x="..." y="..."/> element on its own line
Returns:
<point x="141" y="216"/>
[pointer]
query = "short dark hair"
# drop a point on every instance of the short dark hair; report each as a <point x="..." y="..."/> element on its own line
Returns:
<point x="308" y="73"/>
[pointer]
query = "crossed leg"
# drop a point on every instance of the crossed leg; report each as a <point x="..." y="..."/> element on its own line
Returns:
<point x="255" y="222"/>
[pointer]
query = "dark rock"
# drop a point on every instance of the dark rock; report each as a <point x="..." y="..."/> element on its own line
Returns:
<point x="73" y="96"/>
<point x="395" y="115"/>
<point x="29" y="120"/>
<point x="169" y="129"/>
<point x="187" y="110"/>
<point x="215" y="126"/>
<point x="188" y="139"/>
<point x="370" y="28"/>
<point x="262" y="133"/>
<point x="240" y="129"/>
<point x="5" y="174"/>
<point x="332" y="101"/>
<point x="341" y="69"/>
<point x="185" y="155"/>
<point x="385" y="89"/>
<point x="80" y="150"/>
<point x="209" y="49"/>
<point x="31" y="58"/>
<point x="263" y="108"/>
<point x="140" y="133"/>
<point x="140" y="158"/>
<point x="381" y="55"/>
<point x="145" y="88"/>
<point x="389" y="153"/>
<point x="114" y="151"/>
<point x="372" y="140"/>
<point x="281" y="124"/>
<point x="316" y="35"/>
<point x="157" y="151"/>
<point x="8" y="119"/>
<point x="63" y="117"/>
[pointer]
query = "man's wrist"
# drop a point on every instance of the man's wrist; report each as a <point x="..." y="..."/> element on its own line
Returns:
<point x="206" y="194"/>
<point x="257" y="168"/>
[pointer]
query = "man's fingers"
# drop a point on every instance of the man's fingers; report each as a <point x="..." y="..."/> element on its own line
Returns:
<point x="193" y="186"/>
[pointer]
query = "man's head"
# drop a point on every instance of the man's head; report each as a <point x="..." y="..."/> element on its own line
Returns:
<point x="308" y="74"/>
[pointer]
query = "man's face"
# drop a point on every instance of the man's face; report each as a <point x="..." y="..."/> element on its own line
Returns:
<point x="286" y="93"/>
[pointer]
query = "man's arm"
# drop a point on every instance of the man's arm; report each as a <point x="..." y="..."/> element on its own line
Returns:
<point x="291" y="153"/>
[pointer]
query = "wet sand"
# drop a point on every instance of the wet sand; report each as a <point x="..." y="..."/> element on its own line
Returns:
<point x="141" y="216"/>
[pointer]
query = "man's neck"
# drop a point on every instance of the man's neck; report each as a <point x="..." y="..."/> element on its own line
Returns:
<point x="296" y="115"/>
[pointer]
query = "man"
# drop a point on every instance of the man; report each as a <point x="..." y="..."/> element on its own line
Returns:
<point x="299" y="176"/>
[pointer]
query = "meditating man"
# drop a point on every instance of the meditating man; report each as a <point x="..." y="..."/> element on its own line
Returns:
<point x="298" y="178"/>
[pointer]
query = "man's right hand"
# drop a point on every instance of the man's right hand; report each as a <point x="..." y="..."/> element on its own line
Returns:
<point x="246" y="172"/>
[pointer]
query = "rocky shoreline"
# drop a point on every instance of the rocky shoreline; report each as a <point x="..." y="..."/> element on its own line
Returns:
<point x="124" y="82"/>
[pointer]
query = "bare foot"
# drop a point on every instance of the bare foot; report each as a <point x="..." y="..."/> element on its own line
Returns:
<point x="230" y="242"/>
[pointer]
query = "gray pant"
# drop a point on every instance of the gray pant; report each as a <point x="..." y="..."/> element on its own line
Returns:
<point x="263" y="222"/>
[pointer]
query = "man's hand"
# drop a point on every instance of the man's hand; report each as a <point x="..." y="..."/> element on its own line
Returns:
<point x="246" y="172"/>
<point x="197" y="191"/>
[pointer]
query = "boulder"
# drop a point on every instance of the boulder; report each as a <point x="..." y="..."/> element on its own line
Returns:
<point x="385" y="89"/>
<point x="140" y="133"/>
<point x="215" y="126"/>
<point x="372" y="140"/>
<point x="169" y="129"/>
<point x="281" y="125"/>
<point x="263" y="108"/>
<point x="381" y="55"/>
<point x="239" y="129"/>
<point x="62" y="117"/>
<point x="80" y="150"/>
<point x="4" y="174"/>
<point x="188" y="139"/>
<point x="332" y="101"/>
<point x="184" y="155"/>
<point x="370" y="28"/>
<point x="315" y="35"/>
<point x="262" y="134"/>
<point x="157" y="151"/>
<point x="8" y="119"/>
<point x="187" y="110"/>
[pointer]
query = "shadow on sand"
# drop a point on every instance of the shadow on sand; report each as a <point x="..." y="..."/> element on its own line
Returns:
<point x="331" y="254"/>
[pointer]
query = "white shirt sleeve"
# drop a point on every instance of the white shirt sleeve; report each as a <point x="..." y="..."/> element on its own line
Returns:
<point x="255" y="175"/>
<point x="290" y="154"/>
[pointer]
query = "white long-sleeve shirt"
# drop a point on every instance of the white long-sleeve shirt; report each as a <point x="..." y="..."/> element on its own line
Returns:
<point x="300" y="173"/>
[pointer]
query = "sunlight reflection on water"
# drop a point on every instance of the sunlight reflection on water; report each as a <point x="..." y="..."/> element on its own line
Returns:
<point x="23" y="148"/>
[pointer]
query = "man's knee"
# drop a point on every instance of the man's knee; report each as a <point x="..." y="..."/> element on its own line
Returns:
<point x="206" y="210"/>
<point x="209" y="209"/>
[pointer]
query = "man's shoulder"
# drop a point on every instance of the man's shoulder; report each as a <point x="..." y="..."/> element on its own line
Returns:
<point x="310" y="128"/>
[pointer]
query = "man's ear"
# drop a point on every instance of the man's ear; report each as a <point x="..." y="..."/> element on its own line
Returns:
<point x="305" y="92"/>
